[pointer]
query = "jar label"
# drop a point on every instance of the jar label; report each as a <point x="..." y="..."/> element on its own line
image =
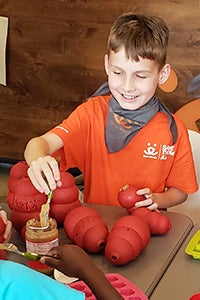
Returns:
<point x="41" y="248"/>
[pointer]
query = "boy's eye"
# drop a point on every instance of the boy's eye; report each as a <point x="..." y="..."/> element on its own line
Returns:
<point x="140" y="76"/>
<point x="116" y="72"/>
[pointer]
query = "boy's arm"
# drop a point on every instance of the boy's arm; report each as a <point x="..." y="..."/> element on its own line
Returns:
<point x="73" y="261"/>
<point x="43" y="171"/>
<point x="171" y="197"/>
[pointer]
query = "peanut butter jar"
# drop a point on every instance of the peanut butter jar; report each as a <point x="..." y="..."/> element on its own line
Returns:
<point x="39" y="239"/>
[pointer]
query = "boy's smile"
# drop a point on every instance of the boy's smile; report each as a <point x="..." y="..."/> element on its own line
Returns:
<point x="133" y="83"/>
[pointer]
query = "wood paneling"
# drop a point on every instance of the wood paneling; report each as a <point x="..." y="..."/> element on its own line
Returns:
<point x="55" y="56"/>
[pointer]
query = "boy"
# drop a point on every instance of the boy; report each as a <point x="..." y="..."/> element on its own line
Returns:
<point x="127" y="136"/>
<point x="71" y="260"/>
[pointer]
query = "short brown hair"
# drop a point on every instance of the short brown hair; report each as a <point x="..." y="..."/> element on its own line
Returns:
<point x="141" y="36"/>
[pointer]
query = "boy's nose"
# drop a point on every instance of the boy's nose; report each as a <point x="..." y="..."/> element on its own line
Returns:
<point x="128" y="85"/>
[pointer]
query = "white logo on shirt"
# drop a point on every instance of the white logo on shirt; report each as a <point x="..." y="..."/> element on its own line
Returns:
<point x="158" y="152"/>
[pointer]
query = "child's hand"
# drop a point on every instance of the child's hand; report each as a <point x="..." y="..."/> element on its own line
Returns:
<point x="8" y="223"/>
<point x="149" y="202"/>
<point x="44" y="174"/>
<point x="69" y="259"/>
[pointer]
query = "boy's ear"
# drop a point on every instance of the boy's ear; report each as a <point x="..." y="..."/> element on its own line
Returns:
<point x="164" y="74"/>
<point x="106" y="63"/>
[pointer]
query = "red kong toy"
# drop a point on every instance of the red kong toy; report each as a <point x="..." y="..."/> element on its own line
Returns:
<point x="85" y="227"/>
<point x="158" y="223"/>
<point x="22" y="198"/>
<point x="128" y="237"/>
<point x="127" y="196"/>
<point x="25" y="201"/>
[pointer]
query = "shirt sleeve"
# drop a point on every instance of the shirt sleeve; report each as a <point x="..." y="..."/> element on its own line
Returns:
<point x="74" y="133"/>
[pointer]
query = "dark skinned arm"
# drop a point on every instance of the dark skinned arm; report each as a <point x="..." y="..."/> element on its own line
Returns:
<point x="73" y="261"/>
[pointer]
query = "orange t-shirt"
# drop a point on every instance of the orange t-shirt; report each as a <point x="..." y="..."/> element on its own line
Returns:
<point x="149" y="159"/>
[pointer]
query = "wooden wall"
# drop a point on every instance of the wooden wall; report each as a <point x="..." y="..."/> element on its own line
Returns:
<point x="55" y="56"/>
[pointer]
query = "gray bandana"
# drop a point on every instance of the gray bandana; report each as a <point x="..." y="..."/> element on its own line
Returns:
<point x="123" y="124"/>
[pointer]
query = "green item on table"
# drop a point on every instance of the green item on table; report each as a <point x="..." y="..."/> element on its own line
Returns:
<point x="193" y="247"/>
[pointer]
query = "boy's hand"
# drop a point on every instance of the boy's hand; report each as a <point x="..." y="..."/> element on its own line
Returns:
<point x="45" y="174"/>
<point x="149" y="202"/>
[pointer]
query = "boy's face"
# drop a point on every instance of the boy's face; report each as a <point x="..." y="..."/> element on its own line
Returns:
<point x="133" y="83"/>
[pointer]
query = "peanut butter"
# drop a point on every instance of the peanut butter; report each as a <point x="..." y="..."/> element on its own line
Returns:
<point x="41" y="240"/>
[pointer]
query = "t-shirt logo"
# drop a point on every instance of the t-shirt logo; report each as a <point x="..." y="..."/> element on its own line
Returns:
<point x="161" y="152"/>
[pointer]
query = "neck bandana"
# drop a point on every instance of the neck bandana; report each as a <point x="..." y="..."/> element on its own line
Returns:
<point x="123" y="124"/>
